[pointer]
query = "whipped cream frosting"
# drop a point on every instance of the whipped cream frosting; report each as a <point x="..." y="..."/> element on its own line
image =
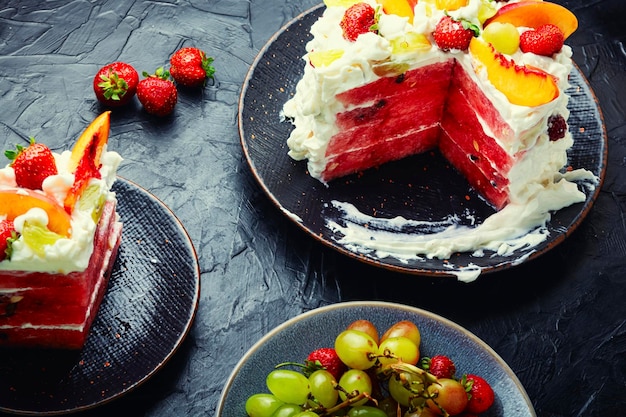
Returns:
<point x="68" y="254"/>
<point x="538" y="185"/>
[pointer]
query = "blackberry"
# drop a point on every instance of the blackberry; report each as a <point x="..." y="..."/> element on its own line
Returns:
<point x="557" y="126"/>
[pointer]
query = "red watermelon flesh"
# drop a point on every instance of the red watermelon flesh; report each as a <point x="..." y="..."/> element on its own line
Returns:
<point x="436" y="105"/>
<point x="426" y="77"/>
<point x="380" y="152"/>
<point x="396" y="117"/>
<point x="493" y="189"/>
<point x="461" y="126"/>
<point x="481" y="105"/>
<point x="56" y="310"/>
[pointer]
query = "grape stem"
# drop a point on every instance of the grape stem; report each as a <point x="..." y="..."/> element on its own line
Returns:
<point x="348" y="402"/>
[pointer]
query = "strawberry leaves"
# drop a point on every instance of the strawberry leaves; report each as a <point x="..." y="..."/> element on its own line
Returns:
<point x="32" y="164"/>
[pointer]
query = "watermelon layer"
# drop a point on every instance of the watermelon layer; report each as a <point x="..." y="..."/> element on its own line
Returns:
<point x="438" y="105"/>
<point x="56" y="310"/>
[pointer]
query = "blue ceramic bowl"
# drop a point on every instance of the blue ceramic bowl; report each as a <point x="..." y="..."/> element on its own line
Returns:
<point x="296" y="338"/>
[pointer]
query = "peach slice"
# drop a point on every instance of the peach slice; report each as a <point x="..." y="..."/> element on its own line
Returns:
<point x="522" y="85"/>
<point x="450" y="5"/>
<point x="85" y="158"/>
<point x="91" y="141"/>
<point x="535" y="13"/>
<point x="14" y="202"/>
<point x="404" y="8"/>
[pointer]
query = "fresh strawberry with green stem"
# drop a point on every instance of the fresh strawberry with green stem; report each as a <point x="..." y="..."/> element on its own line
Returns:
<point x="191" y="67"/>
<point x="546" y="40"/>
<point x="32" y="164"/>
<point x="115" y="84"/>
<point x="326" y="358"/>
<point x="454" y="34"/>
<point x="358" y="19"/>
<point x="157" y="93"/>
<point x="7" y="236"/>
<point x="481" y="395"/>
<point x="440" y="366"/>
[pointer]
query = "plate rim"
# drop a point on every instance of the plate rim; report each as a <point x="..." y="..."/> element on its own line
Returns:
<point x="176" y="344"/>
<point x="382" y="304"/>
<point x="587" y="204"/>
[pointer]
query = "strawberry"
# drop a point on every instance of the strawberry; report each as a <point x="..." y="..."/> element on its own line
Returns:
<point x="481" y="395"/>
<point x="439" y="365"/>
<point x="32" y="164"/>
<point x="7" y="236"/>
<point x="191" y="67"/>
<point x="454" y="34"/>
<point x="557" y="127"/>
<point x="325" y="358"/>
<point x="546" y="40"/>
<point x="157" y="93"/>
<point x="358" y="19"/>
<point x="115" y="84"/>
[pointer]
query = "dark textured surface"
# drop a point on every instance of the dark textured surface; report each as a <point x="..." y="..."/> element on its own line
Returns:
<point x="559" y="321"/>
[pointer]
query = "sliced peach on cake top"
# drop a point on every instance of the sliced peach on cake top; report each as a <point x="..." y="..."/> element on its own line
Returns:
<point x="91" y="142"/>
<point x="536" y="13"/>
<point x="450" y="5"/>
<point x="15" y="202"/>
<point x="85" y="157"/>
<point x="522" y="85"/>
<point x="404" y="8"/>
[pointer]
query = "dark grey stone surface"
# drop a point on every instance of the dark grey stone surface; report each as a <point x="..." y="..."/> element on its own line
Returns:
<point x="559" y="321"/>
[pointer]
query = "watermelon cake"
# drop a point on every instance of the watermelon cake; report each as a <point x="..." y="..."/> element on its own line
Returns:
<point x="59" y="236"/>
<point x="483" y="82"/>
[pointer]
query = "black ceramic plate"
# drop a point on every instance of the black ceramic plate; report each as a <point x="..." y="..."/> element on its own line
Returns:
<point x="293" y="340"/>
<point x="396" y="189"/>
<point x="145" y="315"/>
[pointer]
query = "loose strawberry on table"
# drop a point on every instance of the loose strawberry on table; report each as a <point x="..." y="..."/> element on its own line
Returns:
<point x="191" y="67"/>
<point x="32" y="164"/>
<point x="157" y="93"/>
<point x="115" y="84"/>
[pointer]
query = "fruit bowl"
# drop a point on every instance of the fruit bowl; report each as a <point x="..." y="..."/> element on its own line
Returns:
<point x="293" y="340"/>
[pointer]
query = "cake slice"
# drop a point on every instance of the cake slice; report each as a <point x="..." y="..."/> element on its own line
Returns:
<point x="63" y="246"/>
